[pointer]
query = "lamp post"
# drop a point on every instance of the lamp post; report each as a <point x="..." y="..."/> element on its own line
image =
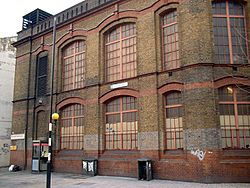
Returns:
<point x="55" y="117"/>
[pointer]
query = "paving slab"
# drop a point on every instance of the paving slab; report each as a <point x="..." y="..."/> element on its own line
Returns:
<point x="26" y="179"/>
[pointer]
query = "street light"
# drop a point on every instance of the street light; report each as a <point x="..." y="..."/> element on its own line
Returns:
<point x="55" y="117"/>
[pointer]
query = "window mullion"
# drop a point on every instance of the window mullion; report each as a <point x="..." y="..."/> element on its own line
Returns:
<point x="72" y="135"/>
<point x="246" y="35"/>
<point x="163" y="47"/>
<point x="168" y="25"/>
<point x="74" y="66"/>
<point x="229" y="33"/>
<point x="121" y="75"/>
<point x="121" y="119"/>
<point x="173" y="106"/>
<point x="236" y="117"/>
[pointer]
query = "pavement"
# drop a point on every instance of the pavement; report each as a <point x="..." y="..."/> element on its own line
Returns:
<point x="26" y="179"/>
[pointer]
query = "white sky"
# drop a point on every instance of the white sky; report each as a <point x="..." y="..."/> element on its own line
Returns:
<point x="12" y="12"/>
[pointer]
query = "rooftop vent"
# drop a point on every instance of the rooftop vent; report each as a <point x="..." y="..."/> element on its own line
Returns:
<point x="34" y="18"/>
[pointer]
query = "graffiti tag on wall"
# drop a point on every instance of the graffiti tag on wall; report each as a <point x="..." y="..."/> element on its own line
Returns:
<point x="4" y="149"/>
<point x="199" y="154"/>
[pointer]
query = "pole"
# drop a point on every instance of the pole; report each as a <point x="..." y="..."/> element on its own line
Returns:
<point x="28" y="102"/>
<point x="49" y="158"/>
<point x="48" y="183"/>
<point x="52" y="70"/>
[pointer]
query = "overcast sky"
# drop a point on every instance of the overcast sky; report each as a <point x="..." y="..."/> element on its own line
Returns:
<point x="12" y="12"/>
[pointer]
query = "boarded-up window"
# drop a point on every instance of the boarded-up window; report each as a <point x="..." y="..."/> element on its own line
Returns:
<point x="41" y="128"/>
<point x="42" y="71"/>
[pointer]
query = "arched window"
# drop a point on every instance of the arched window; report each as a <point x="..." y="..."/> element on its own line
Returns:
<point x="170" y="40"/>
<point x="120" y="52"/>
<point x="121" y="128"/>
<point x="230" y="35"/>
<point x="74" y="66"/>
<point x="234" y="109"/>
<point x="72" y="127"/>
<point x="174" y="126"/>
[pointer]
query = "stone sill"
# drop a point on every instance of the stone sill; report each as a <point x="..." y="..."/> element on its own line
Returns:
<point x="235" y="161"/>
<point x="236" y="153"/>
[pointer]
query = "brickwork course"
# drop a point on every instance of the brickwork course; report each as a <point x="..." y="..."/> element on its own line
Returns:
<point x="197" y="78"/>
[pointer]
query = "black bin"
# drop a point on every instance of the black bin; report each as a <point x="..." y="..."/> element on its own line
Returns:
<point x="89" y="167"/>
<point x="144" y="169"/>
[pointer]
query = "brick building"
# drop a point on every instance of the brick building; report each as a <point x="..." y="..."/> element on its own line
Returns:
<point x="161" y="79"/>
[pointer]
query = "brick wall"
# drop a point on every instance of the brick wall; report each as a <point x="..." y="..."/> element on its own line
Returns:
<point x="196" y="79"/>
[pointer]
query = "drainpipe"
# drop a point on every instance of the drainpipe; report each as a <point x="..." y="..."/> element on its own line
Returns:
<point x="28" y="102"/>
<point x="34" y="134"/>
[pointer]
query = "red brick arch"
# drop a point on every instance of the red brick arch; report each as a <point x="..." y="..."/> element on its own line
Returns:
<point x="170" y="87"/>
<point x="231" y="80"/>
<point x="116" y="19"/>
<point x="40" y="49"/>
<point x="72" y="100"/>
<point x="70" y="35"/>
<point x="40" y="108"/>
<point x="132" y="14"/>
<point x="119" y="92"/>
